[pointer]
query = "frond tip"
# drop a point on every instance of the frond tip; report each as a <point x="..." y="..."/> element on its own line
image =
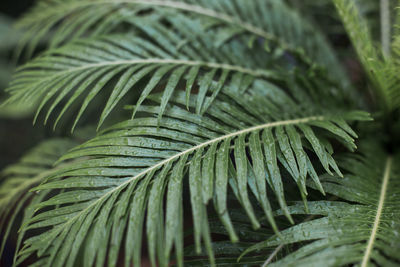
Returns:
<point x="124" y="173"/>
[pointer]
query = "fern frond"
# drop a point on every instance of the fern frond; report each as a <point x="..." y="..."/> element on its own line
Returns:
<point x="16" y="180"/>
<point x="127" y="170"/>
<point x="360" y="228"/>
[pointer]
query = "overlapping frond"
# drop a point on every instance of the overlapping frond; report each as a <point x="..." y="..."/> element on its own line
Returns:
<point x="16" y="180"/>
<point x="393" y="80"/>
<point x="134" y="173"/>
<point x="382" y="70"/>
<point x="225" y="252"/>
<point x="78" y="71"/>
<point x="393" y="67"/>
<point x="396" y="28"/>
<point x="362" y="227"/>
<point x="322" y="14"/>
<point x="258" y="19"/>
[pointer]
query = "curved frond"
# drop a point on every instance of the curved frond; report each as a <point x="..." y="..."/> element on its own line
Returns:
<point x="224" y="251"/>
<point x="78" y="71"/>
<point x="363" y="230"/>
<point x="257" y="19"/>
<point x="381" y="69"/>
<point x="16" y="180"/>
<point x="133" y="170"/>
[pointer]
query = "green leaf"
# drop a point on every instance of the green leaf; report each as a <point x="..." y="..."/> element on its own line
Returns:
<point x="255" y="19"/>
<point x="379" y="66"/>
<point x="74" y="74"/>
<point x="363" y="230"/>
<point x="137" y="164"/>
<point x="19" y="178"/>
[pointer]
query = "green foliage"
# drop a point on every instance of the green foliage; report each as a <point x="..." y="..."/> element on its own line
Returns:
<point x="365" y="231"/>
<point x="253" y="20"/>
<point x="16" y="181"/>
<point x="135" y="163"/>
<point x="166" y="54"/>
<point x="235" y="111"/>
<point x="380" y="67"/>
<point x="69" y="71"/>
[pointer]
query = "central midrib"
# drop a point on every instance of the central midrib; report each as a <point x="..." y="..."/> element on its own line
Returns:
<point x="188" y="151"/>
<point x="253" y="72"/>
<point x="199" y="10"/>
<point x="385" y="182"/>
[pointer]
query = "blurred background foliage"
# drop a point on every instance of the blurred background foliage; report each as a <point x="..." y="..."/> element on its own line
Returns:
<point x="16" y="132"/>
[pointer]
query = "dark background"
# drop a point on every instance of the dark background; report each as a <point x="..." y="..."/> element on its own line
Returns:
<point x="16" y="135"/>
<point x="14" y="8"/>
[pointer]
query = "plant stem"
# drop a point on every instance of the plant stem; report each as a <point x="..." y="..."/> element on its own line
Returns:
<point x="385" y="27"/>
<point x="273" y="254"/>
<point x="374" y="232"/>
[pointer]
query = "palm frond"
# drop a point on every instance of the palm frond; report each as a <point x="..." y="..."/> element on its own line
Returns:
<point x="322" y="14"/>
<point x="78" y="73"/>
<point x="258" y="19"/>
<point x="396" y="28"/>
<point x="16" y="180"/>
<point x="225" y="252"/>
<point x="382" y="71"/>
<point x="235" y="111"/>
<point x="360" y="228"/>
<point x="125" y="173"/>
<point x="393" y="67"/>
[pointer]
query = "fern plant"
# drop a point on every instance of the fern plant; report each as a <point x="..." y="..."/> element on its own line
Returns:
<point x="225" y="134"/>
